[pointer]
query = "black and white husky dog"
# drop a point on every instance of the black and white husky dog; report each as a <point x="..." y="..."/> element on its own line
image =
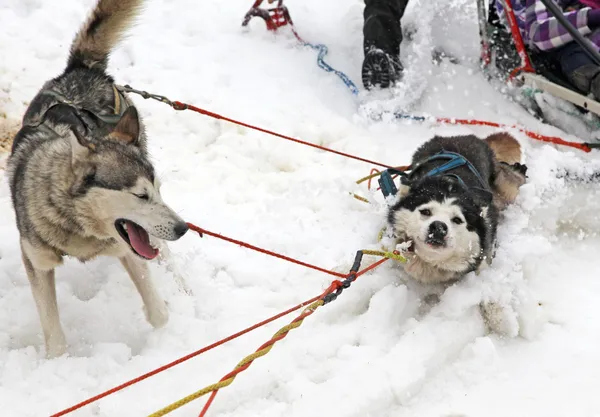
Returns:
<point x="449" y="204"/>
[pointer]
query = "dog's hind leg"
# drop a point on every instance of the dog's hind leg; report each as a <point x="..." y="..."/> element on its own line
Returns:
<point x="506" y="185"/>
<point x="44" y="293"/>
<point x="509" y="173"/>
<point x="155" y="308"/>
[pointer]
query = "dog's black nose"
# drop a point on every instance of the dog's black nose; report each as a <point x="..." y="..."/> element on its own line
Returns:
<point x="438" y="229"/>
<point x="180" y="229"/>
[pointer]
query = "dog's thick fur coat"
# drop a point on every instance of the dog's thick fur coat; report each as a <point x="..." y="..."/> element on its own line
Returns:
<point x="451" y="219"/>
<point x="80" y="178"/>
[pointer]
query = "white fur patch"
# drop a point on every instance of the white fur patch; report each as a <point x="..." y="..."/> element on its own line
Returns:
<point x="158" y="219"/>
<point x="462" y="246"/>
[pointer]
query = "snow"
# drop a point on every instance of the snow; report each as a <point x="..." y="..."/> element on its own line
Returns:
<point x="378" y="350"/>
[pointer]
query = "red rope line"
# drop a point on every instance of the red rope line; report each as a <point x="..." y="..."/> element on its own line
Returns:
<point x="551" y="139"/>
<point x="178" y="105"/>
<point x="202" y="231"/>
<point x="373" y="171"/>
<point x="182" y="359"/>
<point x="333" y="287"/>
<point x="371" y="267"/>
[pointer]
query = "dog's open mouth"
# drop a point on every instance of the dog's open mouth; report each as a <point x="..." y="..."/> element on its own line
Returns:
<point x="137" y="238"/>
<point x="436" y="243"/>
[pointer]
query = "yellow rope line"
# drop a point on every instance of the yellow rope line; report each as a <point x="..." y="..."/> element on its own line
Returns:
<point x="177" y="404"/>
<point x="246" y="361"/>
<point x="360" y="198"/>
<point x="368" y="177"/>
<point x="380" y="234"/>
<point x="265" y="348"/>
<point x="377" y="174"/>
<point x="385" y="254"/>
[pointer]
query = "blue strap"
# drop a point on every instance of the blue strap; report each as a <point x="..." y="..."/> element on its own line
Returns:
<point x="386" y="183"/>
<point x="325" y="66"/>
<point x="412" y="117"/>
<point x="455" y="160"/>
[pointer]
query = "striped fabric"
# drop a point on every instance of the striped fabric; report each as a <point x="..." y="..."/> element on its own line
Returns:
<point x="541" y="31"/>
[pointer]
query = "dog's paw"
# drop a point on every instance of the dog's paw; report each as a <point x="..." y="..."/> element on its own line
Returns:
<point x="482" y="267"/>
<point x="532" y="318"/>
<point x="56" y="346"/>
<point x="157" y="315"/>
<point x="499" y="319"/>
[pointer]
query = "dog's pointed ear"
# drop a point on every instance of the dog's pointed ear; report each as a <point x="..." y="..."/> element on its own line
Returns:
<point x="127" y="129"/>
<point x="404" y="188"/>
<point x="80" y="147"/>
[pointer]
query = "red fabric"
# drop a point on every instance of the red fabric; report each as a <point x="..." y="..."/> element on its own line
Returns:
<point x="594" y="4"/>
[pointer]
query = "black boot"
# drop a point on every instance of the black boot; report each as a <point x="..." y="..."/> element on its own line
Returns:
<point x="380" y="69"/>
<point x="595" y="86"/>
<point x="586" y="79"/>
<point x="382" y="37"/>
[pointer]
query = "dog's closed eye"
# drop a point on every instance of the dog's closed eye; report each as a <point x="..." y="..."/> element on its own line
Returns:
<point x="143" y="196"/>
<point x="457" y="220"/>
<point x="425" y="212"/>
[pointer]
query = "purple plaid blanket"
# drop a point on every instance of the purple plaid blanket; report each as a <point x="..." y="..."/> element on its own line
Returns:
<point x="540" y="30"/>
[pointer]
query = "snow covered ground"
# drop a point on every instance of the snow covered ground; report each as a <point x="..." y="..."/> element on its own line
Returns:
<point x="375" y="351"/>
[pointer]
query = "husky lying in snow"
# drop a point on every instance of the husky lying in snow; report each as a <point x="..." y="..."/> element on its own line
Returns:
<point x="449" y="205"/>
<point x="80" y="178"/>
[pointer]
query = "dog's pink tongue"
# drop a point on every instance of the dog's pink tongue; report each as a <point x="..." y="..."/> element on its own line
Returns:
<point x="140" y="241"/>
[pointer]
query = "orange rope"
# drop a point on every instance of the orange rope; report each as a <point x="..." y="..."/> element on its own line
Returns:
<point x="537" y="136"/>
<point x="334" y="286"/>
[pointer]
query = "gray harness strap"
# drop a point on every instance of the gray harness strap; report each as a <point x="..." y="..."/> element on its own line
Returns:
<point x="120" y="106"/>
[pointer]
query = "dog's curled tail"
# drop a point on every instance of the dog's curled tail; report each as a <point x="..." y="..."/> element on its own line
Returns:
<point x="506" y="148"/>
<point x="102" y="31"/>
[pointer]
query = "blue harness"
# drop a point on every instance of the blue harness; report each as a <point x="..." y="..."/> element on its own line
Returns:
<point x="455" y="160"/>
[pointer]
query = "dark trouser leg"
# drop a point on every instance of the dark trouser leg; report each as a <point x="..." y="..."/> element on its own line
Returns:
<point x="382" y="28"/>
<point x="382" y="37"/>
<point x="579" y="69"/>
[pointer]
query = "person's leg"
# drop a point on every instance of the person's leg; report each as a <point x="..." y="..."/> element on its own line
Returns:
<point x="579" y="68"/>
<point x="382" y="37"/>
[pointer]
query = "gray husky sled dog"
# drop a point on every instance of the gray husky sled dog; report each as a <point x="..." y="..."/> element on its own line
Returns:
<point x="449" y="204"/>
<point x="80" y="178"/>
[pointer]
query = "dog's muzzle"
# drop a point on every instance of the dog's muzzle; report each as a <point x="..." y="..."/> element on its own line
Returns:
<point x="436" y="234"/>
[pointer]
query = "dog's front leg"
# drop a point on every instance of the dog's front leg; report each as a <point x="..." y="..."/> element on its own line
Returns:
<point x="154" y="306"/>
<point x="44" y="293"/>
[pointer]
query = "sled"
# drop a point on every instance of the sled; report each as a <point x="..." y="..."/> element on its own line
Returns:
<point x="274" y="17"/>
<point x="505" y="56"/>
